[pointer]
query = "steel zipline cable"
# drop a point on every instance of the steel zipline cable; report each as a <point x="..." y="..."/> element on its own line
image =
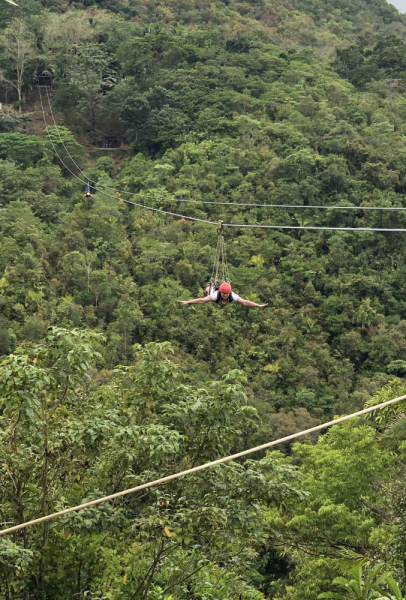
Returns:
<point x="186" y="200"/>
<point x="111" y="195"/>
<point x="167" y="212"/>
<point x="208" y="465"/>
<point x="253" y="204"/>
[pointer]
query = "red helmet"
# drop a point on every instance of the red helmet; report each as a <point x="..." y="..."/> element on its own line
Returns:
<point x="225" y="288"/>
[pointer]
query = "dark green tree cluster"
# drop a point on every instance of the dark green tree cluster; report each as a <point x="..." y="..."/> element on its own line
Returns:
<point x="362" y="65"/>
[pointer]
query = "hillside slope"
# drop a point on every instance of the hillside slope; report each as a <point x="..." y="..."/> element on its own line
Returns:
<point x="225" y="102"/>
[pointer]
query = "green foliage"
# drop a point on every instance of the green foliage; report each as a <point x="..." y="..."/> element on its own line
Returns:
<point x="27" y="150"/>
<point x="342" y="516"/>
<point x="361" y="65"/>
<point x="19" y="55"/>
<point x="394" y="389"/>
<point x="11" y="121"/>
<point x="13" y="559"/>
<point x="364" y="589"/>
<point x="107" y="383"/>
<point x="62" y="142"/>
<point x="66" y="438"/>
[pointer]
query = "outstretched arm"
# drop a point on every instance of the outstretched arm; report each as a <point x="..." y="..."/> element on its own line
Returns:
<point x="250" y="304"/>
<point x="195" y="301"/>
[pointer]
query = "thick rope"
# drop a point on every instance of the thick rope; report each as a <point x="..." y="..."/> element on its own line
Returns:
<point x="215" y="274"/>
<point x="227" y="277"/>
<point x="219" y="461"/>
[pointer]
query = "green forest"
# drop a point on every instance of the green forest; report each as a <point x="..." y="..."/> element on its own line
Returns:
<point x="212" y="110"/>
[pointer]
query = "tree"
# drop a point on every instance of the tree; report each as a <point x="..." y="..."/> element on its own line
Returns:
<point x="64" y="34"/>
<point x="63" y="441"/>
<point x="27" y="150"/>
<point x="365" y="588"/>
<point x="20" y="53"/>
<point x="88" y="69"/>
<point x="11" y="121"/>
<point x="98" y="283"/>
<point x="62" y="142"/>
<point x="33" y="390"/>
<point x="128" y="317"/>
<point x="74" y="271"/>
<point x="338" y="472"/>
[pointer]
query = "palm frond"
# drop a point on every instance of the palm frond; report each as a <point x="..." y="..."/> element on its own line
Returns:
<point x="349" y="559"/>
<point x="373" y="572"/>
<point x="342" y="582"/>
<point x="395" y="388"/>
<point x="378" y="590"/>
<point x="383" y="577"/>
<point x="396" y="428"/>
<point x="394" y="588"/>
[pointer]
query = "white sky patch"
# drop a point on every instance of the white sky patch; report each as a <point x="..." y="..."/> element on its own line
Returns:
<point x="400" y="5"/>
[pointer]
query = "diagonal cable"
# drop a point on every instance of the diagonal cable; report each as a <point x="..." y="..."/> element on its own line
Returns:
<point x="159" y="210"/>
<point x="208" y="465"/>
<point x="167" y="199"/>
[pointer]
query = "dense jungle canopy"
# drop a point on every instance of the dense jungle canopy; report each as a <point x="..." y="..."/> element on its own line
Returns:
<point x="106" y="383"/>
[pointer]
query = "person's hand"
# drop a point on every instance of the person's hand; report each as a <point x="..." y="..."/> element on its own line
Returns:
<point x="183" y="302"/>
<point x="262" y="305"/>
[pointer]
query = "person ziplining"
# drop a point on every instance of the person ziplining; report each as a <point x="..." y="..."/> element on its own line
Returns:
<point x="87" y="191"/>
<point x="221" y="294"/>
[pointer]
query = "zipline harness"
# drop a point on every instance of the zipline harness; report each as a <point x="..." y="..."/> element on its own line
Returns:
<point x="220" y="271"/>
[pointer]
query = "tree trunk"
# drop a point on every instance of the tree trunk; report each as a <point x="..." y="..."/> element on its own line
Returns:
<point x="19" y="96"/>
<point x="44" y="498"/>
<point x="79" y="580"/>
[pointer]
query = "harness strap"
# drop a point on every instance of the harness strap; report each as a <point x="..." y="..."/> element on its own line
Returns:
<point x="230" y="298"/>
<point x="220" y="267"/>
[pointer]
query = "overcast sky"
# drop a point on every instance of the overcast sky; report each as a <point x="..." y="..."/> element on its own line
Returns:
<point x="400" y="5"/>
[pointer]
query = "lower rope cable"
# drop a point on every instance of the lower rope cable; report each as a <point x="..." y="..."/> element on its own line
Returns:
<point x="208" y="465"/>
